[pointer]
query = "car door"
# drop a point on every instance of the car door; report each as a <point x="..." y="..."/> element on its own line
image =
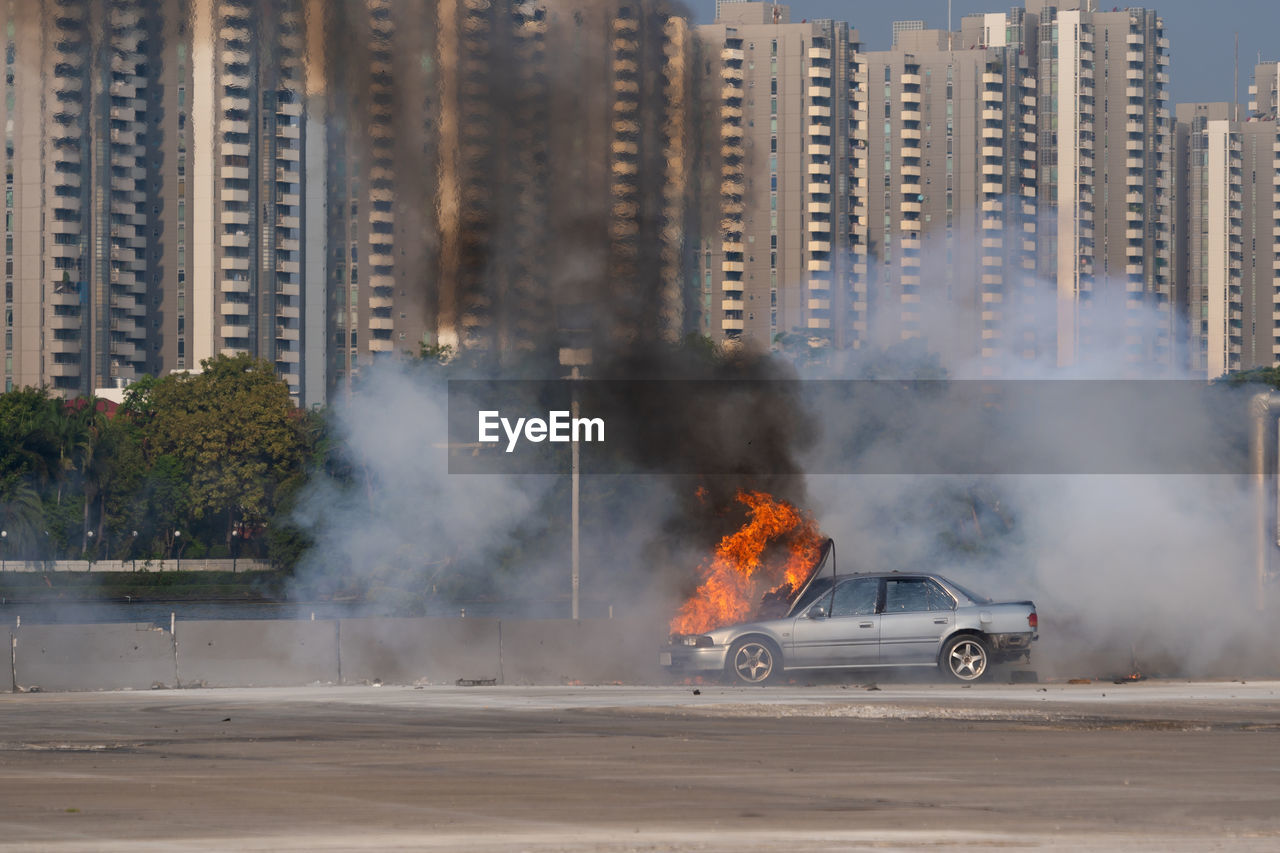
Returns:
<point x="916" y="613"/>
<point x="848" y="635"/>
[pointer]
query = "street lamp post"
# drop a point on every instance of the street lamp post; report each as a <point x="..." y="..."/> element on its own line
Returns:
<point x="133" y="550"/>
<point x="177" y="534"/>
<point x="4" y="556"/>
<point x="89" y="535"/>
<point x="235" y="548"/>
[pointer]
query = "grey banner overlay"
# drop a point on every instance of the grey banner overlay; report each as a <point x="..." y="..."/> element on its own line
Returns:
<point x="962" y="427"/>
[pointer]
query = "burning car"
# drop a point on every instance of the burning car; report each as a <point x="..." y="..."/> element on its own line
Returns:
<point x="895" y="619"/>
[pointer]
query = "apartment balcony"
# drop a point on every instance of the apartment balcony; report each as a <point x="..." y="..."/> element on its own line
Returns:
<point x="731" y="247"/>
<point x="992" y="188"/>
<point x="817" y="265"/>
<point x="993" y="133"/>
<point x="64" y="370"/>
<point x="819" y="130"/>
<point x="909" y="97"/>
<point x="234" y="263"/>
<point x="993" y="169"/>
<point x="731" y="325"/>
<point x="732" y="267"/>
<point x="910" y="134"/>
<point x="911" y="207"/>
<point x="820" y="53"/>
<point x="818" y="188"/>
<point x="819" y="304"/>
<point x="820" y="246"/>
<point x="818" y="150"/>
<point x="732" y="54"/>
<point x="912" y="189"/>
<point x="910" y="152"/>
<point x="732" y="305"/>
<point x="234" y="149"/>
<point x="992" y="97"/>
<point x="730" y="72"/>
<point x="226" y="332"/>
<point x="819" y="169"/>
<point x="911" y="80"/>
<point x="823" y="92"/>
<point x="818" y="72"/>
<point x="818" y="111"/>
<point x="821" y="207"/>
<point x="911" y="171"/>
<point x="992" y="205"/>
<point x="230" y="286"/>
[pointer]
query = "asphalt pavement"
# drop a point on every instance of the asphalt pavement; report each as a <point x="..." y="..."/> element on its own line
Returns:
<point x="1143" y="766"/>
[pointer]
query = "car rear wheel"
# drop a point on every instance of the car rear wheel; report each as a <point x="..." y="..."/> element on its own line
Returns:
<point x="965" y="658"/>
<point x="753" y="661"/>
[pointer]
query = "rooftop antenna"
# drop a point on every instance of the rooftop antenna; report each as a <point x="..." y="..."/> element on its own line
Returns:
<point x="1235" y="84"/>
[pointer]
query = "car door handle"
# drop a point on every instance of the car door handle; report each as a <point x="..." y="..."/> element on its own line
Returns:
<point x="866" y="624"/>
<point x="941" y="621"/>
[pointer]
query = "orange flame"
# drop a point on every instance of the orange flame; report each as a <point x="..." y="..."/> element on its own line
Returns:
<point x="732" y="583"/>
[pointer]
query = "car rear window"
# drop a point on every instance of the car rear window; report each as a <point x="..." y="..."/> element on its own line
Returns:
<point x="969" y="594"/>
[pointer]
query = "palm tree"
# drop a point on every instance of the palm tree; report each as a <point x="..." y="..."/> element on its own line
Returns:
<point x="22" y="517"/>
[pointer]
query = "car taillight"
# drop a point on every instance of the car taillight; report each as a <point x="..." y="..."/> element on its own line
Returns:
<point x="1033" y="621"/>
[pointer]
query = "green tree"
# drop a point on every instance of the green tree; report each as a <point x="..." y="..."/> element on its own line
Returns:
<point x="235" y="433"/>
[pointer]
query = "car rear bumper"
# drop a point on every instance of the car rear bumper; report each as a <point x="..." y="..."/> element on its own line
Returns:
<point x="1012" y="646"/>
<point x="680" y="658"/>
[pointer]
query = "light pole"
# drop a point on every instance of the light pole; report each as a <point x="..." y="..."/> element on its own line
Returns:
<point x="235" y="548"/>
<point x="177" y="534"/>
<point x="4" y="557"/>
<point x="89" y="536"/>
<point x="133" y="550"/>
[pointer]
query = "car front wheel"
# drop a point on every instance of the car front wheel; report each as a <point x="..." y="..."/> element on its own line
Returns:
<point x="965" y="658"/>
<point x="753" y="661"/>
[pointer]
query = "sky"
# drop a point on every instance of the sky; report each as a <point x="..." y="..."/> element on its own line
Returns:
<point x="1201" y="32"/>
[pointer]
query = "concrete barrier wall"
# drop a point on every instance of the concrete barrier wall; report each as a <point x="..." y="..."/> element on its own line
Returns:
<point x="556" y="651"/>
<point x="257" y="653"/>
<point x="93" y="657"/>
<point x="219" y="565"/>
<point x="409" y="651"/>
<point x="263" y="653"/>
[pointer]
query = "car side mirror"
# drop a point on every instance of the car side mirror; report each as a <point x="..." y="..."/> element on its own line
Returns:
<point x="817" y="613"/>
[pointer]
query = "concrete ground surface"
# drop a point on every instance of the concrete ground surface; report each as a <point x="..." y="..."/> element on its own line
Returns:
<point x="1142" y="766"/>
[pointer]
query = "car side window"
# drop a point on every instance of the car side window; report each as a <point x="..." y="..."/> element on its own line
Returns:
<point x="856" y="597"/>
<point x="912" y="595"/>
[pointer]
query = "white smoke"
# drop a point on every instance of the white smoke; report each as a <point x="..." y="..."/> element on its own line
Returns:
<point x="1154" y="570"/>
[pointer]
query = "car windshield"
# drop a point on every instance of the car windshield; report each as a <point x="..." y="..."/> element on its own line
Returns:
<point x="968" y="593"/>
<point x="817" y="589"/>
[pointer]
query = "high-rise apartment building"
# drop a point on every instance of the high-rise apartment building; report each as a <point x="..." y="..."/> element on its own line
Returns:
<point x="1264" y="90"/>
<point x="952" y="201"/>
<point x="1105" y="183"/>
<point x="1229" y="237"/>
<point x="257" y="209"/>
<point x="790" y="256"/>
<point x="83" y="157"/>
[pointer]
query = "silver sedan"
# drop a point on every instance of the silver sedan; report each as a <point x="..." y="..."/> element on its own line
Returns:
<point x="864" y="621"/>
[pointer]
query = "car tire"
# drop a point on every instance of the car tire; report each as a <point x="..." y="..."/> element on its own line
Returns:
<point x="753" y="661"/>
<point x="965" y="658"/>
